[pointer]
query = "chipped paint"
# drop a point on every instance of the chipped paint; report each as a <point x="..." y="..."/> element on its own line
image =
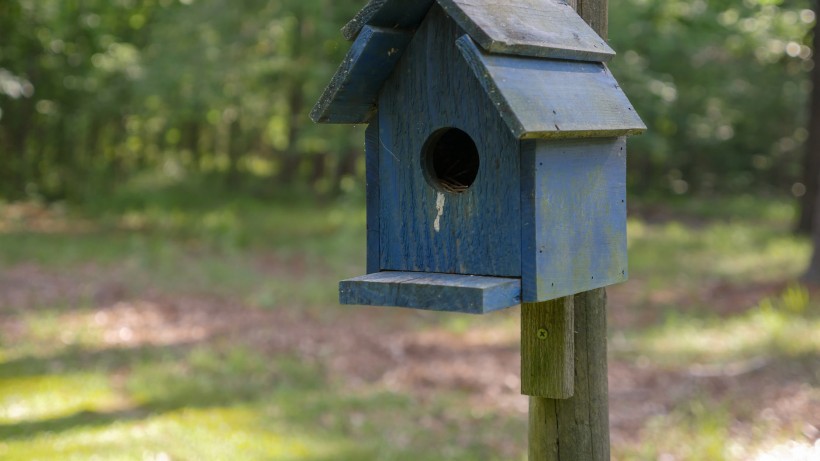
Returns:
<point x="440" y="198"/>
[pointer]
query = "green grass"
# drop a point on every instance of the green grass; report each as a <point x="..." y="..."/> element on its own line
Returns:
<point x="211" y="402"/>
<point x="772" y="329"/>
<point x="66" y="393"/>
<point x="303" y="247"/>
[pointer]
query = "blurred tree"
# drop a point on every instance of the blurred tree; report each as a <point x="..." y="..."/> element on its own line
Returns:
<point x="95" y="92"/>
<point x="721" y="85"/>
<point x="808" y="212"/>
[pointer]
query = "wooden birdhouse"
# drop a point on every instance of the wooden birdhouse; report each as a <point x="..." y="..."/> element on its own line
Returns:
<point x="495" y="153"/>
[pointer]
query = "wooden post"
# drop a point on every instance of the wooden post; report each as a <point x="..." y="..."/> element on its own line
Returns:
<point x="547" y="348"/>
<point x="577" y="428"/>
<point x="595" y="13"/>
<point x="574" y="428"/>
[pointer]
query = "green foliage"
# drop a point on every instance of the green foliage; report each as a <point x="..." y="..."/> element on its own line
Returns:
<point x="722" y="86"/>
<point x="93" y="92"/>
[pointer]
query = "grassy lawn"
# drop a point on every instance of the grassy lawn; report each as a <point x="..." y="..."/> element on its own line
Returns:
<point x="177" y="328"/>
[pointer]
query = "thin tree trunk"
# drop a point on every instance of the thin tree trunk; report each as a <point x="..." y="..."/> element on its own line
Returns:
<point x="811" y="157"/>
<point x="296" y="101"/>
<point x="234" y="152"/>
<point x="318" y="167"/>
<point x="190" y="142"/>
<point x="345" y="167"/>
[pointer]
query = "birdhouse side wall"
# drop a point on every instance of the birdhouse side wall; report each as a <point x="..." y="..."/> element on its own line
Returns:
<point x="574" y="208"/>
<point x="423" y="229"/>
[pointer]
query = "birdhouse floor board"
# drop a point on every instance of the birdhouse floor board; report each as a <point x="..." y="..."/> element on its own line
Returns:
<point x="439" y="292"/>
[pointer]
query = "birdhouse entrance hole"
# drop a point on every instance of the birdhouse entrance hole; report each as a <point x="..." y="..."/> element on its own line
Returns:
<point x="450" y="160"/>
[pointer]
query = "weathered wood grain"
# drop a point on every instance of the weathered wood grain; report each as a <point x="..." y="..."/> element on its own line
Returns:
<point x="596" y="14"/>
<point x="577" y="429"/>
<point x="542" y="98"/>
<point x="351" y="30"/>
<point x="352" y="94"/>
<point x="440" y="292"/>
<point x="574" y="204"/>
<point x="393" y="14"/>
<point x="537" y="28"/>
<point x="547" y="348"/>
<point x="423" y="229"/>
<point x="371" y="177"/>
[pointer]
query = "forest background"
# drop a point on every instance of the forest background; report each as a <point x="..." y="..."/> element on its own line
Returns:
<point x="173" y="229"/>
<point x="96" y="93"/>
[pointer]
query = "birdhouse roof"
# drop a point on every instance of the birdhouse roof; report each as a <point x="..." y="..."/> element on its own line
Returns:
<point x="539" y="62"/>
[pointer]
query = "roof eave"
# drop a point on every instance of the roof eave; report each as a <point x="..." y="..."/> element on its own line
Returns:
<point x="353" y="92"/>
<point x="588" y="133"/>
<point x="391" y="14"/>
<point x="526" y="93"/>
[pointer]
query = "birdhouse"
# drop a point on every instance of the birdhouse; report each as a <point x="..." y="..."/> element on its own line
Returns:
<point x="495" y="153"/>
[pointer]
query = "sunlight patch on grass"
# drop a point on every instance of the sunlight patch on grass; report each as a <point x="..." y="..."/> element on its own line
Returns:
<point x="778" y="326"/>
<point x="698" y="431"/>
<point x="203" y="434"/>
<point x="679" y="253"/>
<point x="749" y="253"/>
<point x="27" y="398"/>
<point x="791" y="450"/>
<point x="703" y="429"/>
<point x="62" y="327"/>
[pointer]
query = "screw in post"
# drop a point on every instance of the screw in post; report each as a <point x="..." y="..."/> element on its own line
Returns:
<point x="542" y="333"/>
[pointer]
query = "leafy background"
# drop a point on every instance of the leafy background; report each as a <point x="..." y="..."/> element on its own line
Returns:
<point x="173" y="227"/>
<point x="97" y="92"/>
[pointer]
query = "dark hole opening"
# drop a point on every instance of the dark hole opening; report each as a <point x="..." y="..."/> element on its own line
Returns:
<point x="450" y="160"/>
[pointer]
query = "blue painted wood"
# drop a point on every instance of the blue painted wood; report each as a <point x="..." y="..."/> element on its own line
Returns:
<point x="438" y="292"/>
<point x="394" y="14"/>
<point x="371" y="150"/>
<point x="538" y="28"/>
<point x="353" y="92"/>
<point x="574" y="208"/>
<point x="425" y="230"/>
<point x="544" y="98"/>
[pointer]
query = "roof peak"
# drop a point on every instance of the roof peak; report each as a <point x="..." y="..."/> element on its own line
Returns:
<point x="536" y="28"/>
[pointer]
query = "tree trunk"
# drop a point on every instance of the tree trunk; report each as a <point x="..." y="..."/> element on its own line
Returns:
<point x="234" y="152"/>
<point x="345" y="167"/>
<point x="190" y="142"/>
<point x="296" y="101"/>
<point x="811" y="157"/>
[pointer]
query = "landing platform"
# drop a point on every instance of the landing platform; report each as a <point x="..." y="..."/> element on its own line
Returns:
<point x="432" y="291"/>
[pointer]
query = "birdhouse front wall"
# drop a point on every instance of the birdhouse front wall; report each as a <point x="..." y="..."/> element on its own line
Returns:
<point x="425" y="225"/>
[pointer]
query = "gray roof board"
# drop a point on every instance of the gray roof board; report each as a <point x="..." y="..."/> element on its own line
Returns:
<point x="540" y="63"/>
<point x="547" y="98"/>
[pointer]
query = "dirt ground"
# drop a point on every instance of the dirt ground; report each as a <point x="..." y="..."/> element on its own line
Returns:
<point x="368" y="347"/>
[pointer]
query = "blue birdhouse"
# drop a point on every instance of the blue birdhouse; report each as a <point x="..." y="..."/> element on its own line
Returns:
<point x="495" y="153"/>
